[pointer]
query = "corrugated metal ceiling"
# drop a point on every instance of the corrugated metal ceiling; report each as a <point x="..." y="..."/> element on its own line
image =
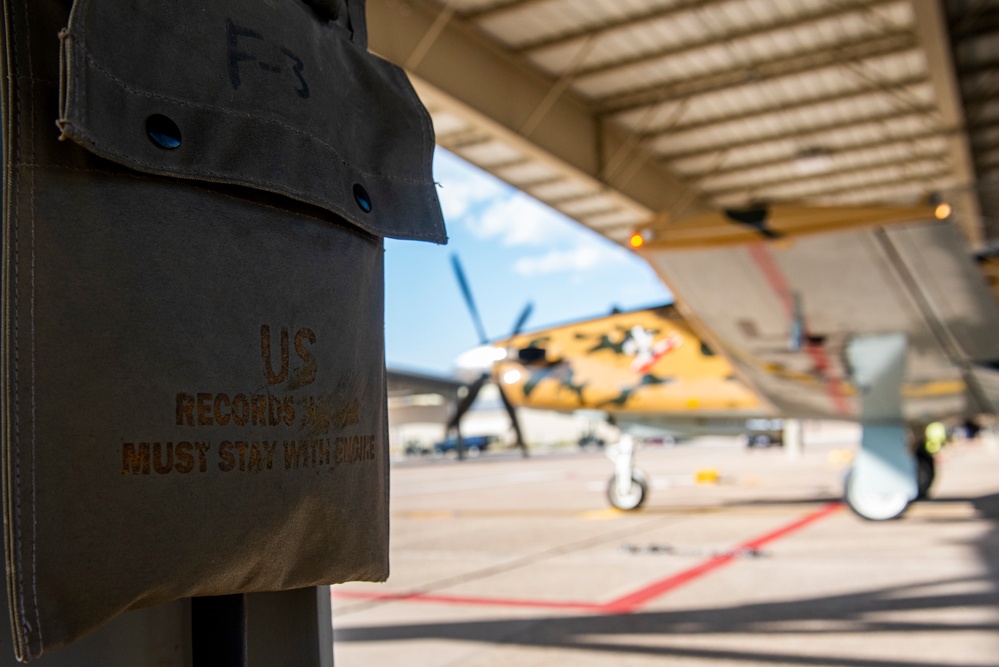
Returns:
<point x="743" y="101"/>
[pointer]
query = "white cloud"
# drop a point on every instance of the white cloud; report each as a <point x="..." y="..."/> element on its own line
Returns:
<point x="587" y="255"/>
<point x="516" y="220"/>
<point x="493" y="210"/>
<point x="461" y="194"/>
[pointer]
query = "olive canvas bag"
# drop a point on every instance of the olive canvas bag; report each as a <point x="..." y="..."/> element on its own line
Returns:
<point x="195" y="197"/>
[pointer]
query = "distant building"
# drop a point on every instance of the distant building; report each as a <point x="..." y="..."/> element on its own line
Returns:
<point x="420" y="406"/>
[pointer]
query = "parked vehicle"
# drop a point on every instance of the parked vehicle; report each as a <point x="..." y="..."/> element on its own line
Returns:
<point x="474" y="445"/>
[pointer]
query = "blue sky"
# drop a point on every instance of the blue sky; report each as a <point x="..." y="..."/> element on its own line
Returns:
<point x="514" y="250"/>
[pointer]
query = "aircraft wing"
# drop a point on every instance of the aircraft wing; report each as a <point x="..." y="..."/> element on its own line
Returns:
<point x="785" y="306"/>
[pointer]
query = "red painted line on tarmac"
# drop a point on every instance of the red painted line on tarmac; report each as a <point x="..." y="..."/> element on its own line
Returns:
<point x="474" y="601"/>
<point x="793" y="527"/>
<point x="633" y="601"/>
<point x="623" y="605"/>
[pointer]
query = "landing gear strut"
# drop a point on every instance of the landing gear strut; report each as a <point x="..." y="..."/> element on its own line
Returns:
<point x="628" y="487"/>
<point x="883" y="480"/>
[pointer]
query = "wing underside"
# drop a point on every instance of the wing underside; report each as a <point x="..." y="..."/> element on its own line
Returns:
<point x="916" y="278"/>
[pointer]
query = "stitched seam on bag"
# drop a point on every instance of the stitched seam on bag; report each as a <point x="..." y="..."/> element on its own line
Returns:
<point x="425" y="121"/>
<point x="206" y="172"/>
<point x="34" y="485"/>
<point x="288" y="191"/>
<point x="344" y="225"/>
<point x="242" y="114"/>
<point x="306" y="197"/>
<point x="77" y="76"/>
<point x="19" y="593"/>
<point x="23" y="77"/>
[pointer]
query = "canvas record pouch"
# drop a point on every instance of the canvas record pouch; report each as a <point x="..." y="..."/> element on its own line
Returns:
<point x="195" y="195"/>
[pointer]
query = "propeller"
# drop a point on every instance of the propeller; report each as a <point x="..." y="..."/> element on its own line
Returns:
<point x="471" y="393"/>
<point x="473" y="389"/>
<point x="522" y="320"/>
<point x="466" y="292"/>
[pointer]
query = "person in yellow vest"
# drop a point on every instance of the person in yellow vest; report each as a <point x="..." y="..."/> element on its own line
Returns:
<point x="936" y="437"/>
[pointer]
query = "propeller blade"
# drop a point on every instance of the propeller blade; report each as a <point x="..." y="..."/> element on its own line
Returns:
<point x="514" y="422"/>
<point x="466" y="403"/>
<point x="524" y="314"/>
<point x="467" y="293"/>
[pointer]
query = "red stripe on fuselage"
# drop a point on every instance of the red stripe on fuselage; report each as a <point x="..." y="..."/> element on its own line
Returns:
<point x="768" y="266"/>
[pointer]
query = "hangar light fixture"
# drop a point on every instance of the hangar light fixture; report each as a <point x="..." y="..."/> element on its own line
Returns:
<point x="814" y="160"/>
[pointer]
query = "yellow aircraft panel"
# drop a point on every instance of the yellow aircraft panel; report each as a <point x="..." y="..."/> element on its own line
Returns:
<point x="640" y="361"/>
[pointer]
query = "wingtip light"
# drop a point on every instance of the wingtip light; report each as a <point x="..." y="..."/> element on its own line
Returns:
<point x="942" y="211"/>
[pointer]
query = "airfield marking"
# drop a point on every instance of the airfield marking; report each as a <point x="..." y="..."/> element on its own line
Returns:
<point x="471" y="601"/>
<point x="477" y="483"/>
<point x="640" y="597"/>
<point x="601" y="515"/>
<point x="605" y="514"/>
<point x="622" y="605"/>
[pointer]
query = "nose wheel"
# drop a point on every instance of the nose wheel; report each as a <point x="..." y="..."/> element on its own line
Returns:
<point x="628" y="488"/>
<point x="632" y="496"/>
<point x="874" y="505"/>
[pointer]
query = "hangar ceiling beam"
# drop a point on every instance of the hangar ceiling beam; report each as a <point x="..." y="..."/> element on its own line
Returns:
<point x="862" y="93"/>
<point x="630" y="21"/>
<point x="781" y="180"/>
<point x="520" y="108"/>
<point x="880" y="182"/>
<point x="503" y="7"/>
<point x="931" y="26"/>
<point x="812" y="133"/>
<point x="849" y="51"/>
<point x="836" y="11"/>
<point x="896" y="141"/>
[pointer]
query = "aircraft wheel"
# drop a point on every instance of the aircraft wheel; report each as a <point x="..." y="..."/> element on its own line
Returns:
<point x="633" y="499"/>
<point x="874" y="506"/>
<point x="925" y="473"/>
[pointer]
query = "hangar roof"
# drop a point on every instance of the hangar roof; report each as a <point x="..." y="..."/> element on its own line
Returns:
<point x="612" y="111"/>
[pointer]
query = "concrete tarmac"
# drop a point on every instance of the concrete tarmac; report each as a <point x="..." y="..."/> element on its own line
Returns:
<point x="503" y="561"/>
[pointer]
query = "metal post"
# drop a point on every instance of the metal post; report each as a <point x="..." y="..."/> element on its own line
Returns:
<point x="793" y="438"/>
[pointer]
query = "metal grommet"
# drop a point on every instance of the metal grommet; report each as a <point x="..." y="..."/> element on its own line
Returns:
<point x="163" y="132"/>
<point x="362" y="198"/>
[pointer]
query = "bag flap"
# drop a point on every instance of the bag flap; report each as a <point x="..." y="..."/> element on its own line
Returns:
<point x="275" y="96"/>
